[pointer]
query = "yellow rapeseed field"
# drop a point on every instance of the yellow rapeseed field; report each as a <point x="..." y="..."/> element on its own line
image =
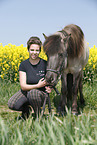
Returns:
<point x="90" y="70"/>
<point x="11" y="56"/>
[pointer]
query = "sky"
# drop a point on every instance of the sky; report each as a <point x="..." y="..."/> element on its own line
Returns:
<point x="21" y="19"/>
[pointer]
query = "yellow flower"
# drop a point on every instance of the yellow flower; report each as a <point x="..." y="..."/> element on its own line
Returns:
<point x="93" y="66"/>
<point x="15" y="79"/>
<point x="12" y="63"/>
<point x="2" y="77"/>
<point x="3" y="69"/>
<point x="84" y="68"/>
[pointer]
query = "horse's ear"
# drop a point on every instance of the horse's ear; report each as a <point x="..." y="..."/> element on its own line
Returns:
<point x="44" y="36"/>
<point x="67" y="37"/>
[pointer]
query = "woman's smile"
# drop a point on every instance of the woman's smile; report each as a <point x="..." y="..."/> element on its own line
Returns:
<point x="34" y="51"/>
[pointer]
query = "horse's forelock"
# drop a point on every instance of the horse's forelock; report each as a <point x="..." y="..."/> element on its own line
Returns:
<point x="52" y="44"/>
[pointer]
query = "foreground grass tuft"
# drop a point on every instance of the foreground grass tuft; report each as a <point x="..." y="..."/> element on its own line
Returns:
<point x="51" y="129"/>
<point x="69" y="130"/>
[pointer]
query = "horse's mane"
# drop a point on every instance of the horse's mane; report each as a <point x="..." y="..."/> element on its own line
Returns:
<point x="75" y="43"/>
<point x="52" y="44"/>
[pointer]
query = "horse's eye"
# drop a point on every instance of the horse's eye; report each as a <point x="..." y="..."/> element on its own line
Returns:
<point x="60" y="55"/>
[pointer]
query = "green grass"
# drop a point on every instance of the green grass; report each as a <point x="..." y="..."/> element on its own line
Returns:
<point x="51" y="130"/>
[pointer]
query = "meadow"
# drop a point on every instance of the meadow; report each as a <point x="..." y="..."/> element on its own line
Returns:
<point x="51" y="129"/>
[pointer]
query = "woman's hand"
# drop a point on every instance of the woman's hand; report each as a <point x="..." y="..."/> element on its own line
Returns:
<point x="27" y="87"/>
<point x="48" y="89"/>
<point x="41" y="83"/>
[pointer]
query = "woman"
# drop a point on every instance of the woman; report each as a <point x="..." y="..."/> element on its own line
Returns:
<point x="31" y="74"/>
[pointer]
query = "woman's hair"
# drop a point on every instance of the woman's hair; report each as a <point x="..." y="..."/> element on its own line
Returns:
<point x="34" y="40"/>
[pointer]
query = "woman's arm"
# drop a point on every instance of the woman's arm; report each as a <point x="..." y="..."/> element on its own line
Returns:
<point x="25" y="86"/>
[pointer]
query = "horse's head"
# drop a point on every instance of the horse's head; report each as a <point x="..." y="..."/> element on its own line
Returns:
<point x="54" y="68"/>
<point x="57" y="57"/>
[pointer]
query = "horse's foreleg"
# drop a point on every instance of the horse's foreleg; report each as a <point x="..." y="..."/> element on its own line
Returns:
<point x="75" y="92"/>
<point x="82" y="101"/>
<point x="63" y="92"/>
<point x="69" y="87"/>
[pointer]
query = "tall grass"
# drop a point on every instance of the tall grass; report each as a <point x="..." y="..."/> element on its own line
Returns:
<point x="70" y="130"/>
<point x="7" y="89"/>
<point x="51" y="129"/>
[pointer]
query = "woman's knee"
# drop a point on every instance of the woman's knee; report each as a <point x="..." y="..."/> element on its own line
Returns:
<point x="9" y="104"/>
<point x="17" y="101"/>
<point x="12" y="104"/>
<point x="34" y="94"/>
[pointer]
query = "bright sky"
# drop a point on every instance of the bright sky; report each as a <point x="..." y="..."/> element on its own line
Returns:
<point x="21" y="19"/>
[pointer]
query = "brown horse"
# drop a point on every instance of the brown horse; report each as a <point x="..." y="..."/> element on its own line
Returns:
<point x="68" y="54"/>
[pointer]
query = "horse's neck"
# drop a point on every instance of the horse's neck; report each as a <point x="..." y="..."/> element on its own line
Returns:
<point x="77" y="64"/>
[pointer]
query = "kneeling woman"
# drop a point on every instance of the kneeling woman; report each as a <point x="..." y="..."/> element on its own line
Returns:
<point x="31" y="74"/>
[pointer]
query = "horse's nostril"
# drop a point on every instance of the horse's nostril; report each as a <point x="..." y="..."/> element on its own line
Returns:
<point x="48" y="80"/>
<point x="51" y="79"/>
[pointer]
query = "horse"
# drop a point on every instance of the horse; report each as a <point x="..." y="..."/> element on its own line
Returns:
<point x="68" y="53"/>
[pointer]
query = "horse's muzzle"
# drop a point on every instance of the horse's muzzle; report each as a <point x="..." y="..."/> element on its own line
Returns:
<point x="51" y="80"/>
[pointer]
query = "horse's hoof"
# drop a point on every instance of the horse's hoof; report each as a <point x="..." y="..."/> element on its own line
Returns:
<point x="63" y="113"/>
<point x="75" y="113"/>
<point x="59" y="109"/>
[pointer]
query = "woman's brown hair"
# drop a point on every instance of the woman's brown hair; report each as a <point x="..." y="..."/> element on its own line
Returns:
<point x="34" y="40"/>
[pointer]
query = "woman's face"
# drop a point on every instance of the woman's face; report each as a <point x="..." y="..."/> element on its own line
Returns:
<point x="34" y="51"/>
